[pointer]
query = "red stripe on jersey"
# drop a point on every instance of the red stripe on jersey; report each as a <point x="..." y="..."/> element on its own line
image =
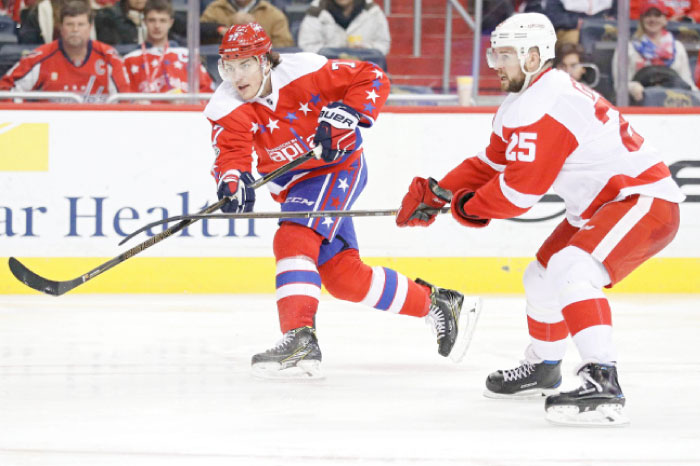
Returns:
<point x="348" y="195"/>
<point x="618" y="182"/>
<point x="536" y="153"/>
<point x="496" y="150"/>
<point x="326" y="197"/>
<point x="584" y="314"/>
<point x="547" y="332"/>
<point x="472" y="173"/>
<point x="534" y="156"/>
<point x="490" y="202"/>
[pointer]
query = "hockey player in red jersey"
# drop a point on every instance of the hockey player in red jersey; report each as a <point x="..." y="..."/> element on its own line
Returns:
<point x="280" y="106"/>
<point x="155" y="66"/>
<point x="73" y="63"/>
<point x="621" y="209"/>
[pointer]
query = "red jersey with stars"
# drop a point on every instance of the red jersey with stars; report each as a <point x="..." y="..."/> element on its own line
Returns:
<point x="48" y="68"/>
<point x="280" y="127"/>
<point x="162" y="69"/>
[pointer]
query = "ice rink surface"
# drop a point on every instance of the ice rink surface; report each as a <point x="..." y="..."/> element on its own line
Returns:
<point x="164" y="380"/>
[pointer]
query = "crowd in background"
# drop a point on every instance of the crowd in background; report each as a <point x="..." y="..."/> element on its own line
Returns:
<point x="149" y="40"/>
<point x="150" y="53"/>
<point x="657" y="53"/>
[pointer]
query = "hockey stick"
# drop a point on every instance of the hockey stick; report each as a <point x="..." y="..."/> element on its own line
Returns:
<point x="256" y="215"/>
<point x="57" y="288"/>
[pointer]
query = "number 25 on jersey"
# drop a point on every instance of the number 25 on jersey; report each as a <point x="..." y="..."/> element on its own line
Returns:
<point x="522" y="147"/>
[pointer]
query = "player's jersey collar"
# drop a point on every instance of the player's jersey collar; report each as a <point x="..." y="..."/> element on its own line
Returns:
<point x="87" y="55"/>
<point x="540" y="76"/>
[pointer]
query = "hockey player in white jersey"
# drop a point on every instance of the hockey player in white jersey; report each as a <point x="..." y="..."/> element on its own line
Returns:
<point x="621" y="209"/>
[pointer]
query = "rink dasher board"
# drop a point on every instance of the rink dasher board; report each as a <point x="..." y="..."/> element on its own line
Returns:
<point x="75" y="182"/>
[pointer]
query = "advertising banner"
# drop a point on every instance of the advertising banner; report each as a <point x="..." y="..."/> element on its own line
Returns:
<point x="74" y="183"/>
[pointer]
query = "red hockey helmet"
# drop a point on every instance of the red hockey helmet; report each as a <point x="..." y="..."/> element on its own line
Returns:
<point x="243" y="41"/>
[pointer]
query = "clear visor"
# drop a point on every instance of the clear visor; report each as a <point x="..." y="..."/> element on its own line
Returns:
<point x="234" y="69"/>
<point x="501" y="58"/>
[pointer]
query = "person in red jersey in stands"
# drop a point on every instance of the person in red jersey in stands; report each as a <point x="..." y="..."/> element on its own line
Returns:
<point x="155" y="66"/>
<point x="72" y="63"/>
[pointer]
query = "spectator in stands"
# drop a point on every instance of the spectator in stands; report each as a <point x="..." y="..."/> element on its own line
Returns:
<point x="568" y="58"/>
<point x="529" y="6"/>
<point x="344" y="23"/>
<point x="156" y="66"/>
<point x="496" y="11"/>
<point x="40" y="23"/>
<point x="12" y="9"/>
<point x="222" y="14"/>
<point x="567" y="15"/>
<point x="655" y="57"/>
<point x="697" y="71"/>
<point x="678" y="10"/>
<point x="121" y="24"/>
<point x="74" y="62"/>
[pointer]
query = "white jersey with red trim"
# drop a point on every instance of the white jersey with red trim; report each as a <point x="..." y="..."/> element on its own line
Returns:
<point x="280" y="127"/>
<point x="562" y="135"/>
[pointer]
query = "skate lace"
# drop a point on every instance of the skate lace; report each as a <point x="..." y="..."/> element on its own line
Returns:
<point x="282" y="342"/>
<point x="590" y="381"/>
<point x="520" y="372"/>
<point x="435" y="320"/>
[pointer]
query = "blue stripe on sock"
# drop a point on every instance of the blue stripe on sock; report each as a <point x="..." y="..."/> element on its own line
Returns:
<point x="390" y="282"/>
<point x="551" y="362"/>
<point x="298" y="276"/>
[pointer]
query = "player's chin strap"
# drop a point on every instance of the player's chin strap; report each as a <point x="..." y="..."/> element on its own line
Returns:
<point x="528" y="74"/>
<point x="266" y="76"/>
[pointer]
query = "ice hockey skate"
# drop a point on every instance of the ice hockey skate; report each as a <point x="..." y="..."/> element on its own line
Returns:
<point x="598" y="402"/>
<point x="296" y="356"/>
<point x="533" y="378"/>
<point x="453" y="319"/>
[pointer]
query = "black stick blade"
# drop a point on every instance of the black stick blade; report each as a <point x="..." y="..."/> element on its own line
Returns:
<point x="36" y="282"/>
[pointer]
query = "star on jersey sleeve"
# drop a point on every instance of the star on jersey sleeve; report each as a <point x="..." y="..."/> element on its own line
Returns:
<point x="361" y="85"/>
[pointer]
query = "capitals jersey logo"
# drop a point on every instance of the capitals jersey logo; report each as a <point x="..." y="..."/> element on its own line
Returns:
<point x="100" y="67"/>
<point x="289" y="150"/>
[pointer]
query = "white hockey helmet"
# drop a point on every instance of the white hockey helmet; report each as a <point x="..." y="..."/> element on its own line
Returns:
<point x="523" y="31"/>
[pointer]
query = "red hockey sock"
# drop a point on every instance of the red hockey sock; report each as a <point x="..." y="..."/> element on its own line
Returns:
<point x="581" y="315"/>
<point x="346" y="277"/>
<point x="298" y="282"/>
<point x="590" y="323"/>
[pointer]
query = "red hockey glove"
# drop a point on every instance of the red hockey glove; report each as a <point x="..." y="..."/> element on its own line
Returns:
<point x="460" y="198"/>
<point x="422" y="203"/>
<point x="235" y="186"/>
<point x="337" y="131"/>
